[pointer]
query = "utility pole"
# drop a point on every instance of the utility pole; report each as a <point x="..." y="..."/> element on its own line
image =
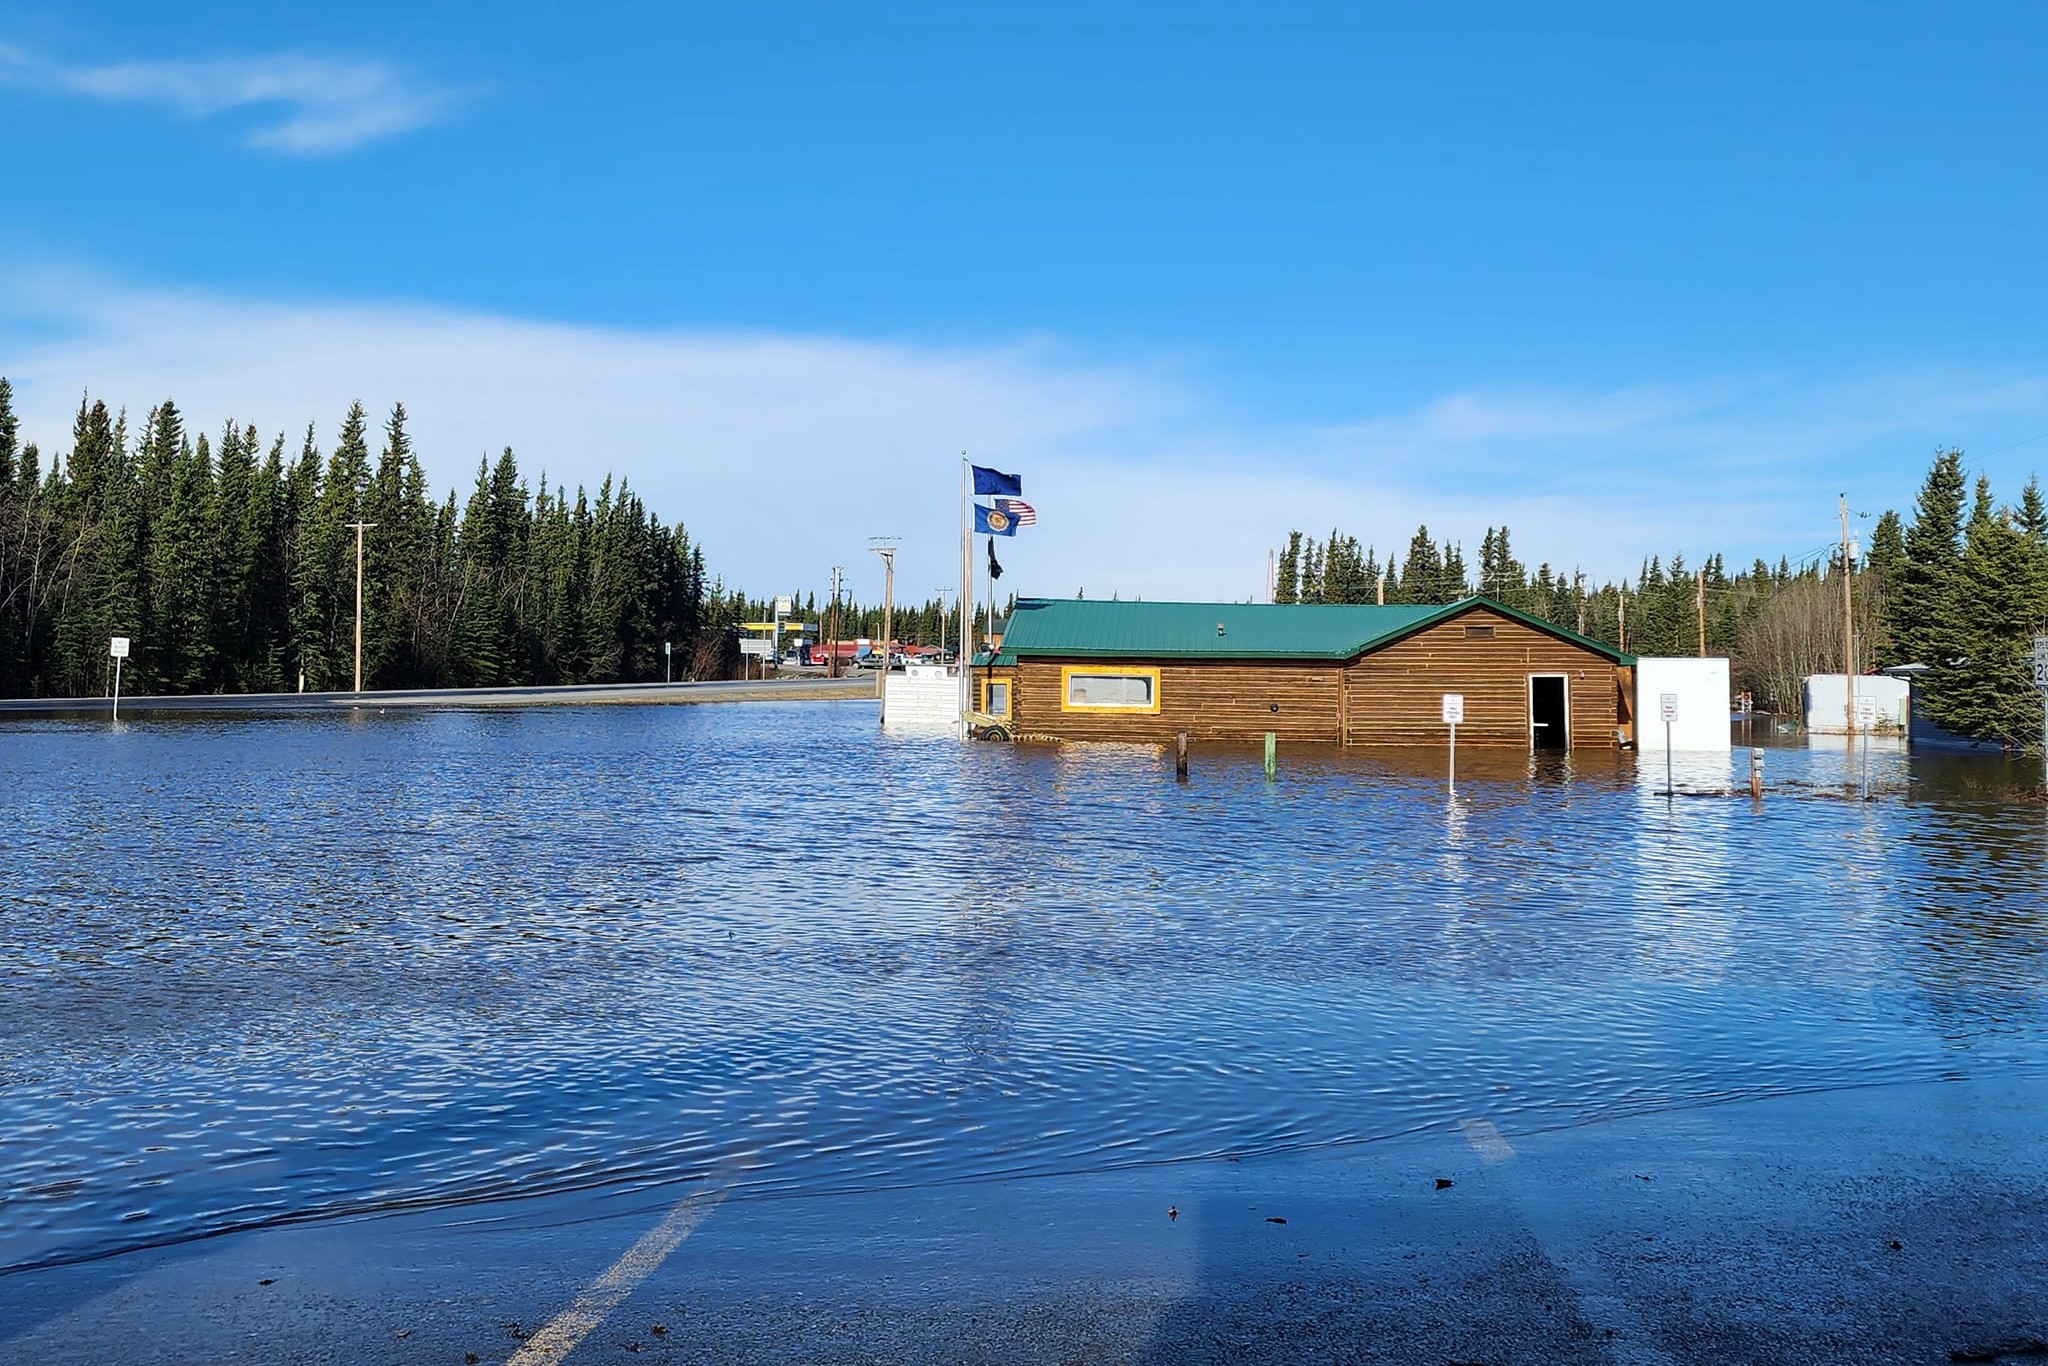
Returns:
<point x="360" y="528"/>
<point x="887" y="550"/>
<point x="1700" y="599"/>
<point x="832" y="660"/>
<point x="1848" y="634"/>
<point x="944" y="612"/>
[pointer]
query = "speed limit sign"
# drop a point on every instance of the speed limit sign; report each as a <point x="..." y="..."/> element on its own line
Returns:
<point x="2041" y="662"/>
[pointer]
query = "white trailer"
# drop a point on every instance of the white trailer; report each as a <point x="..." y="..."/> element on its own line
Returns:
<point x="1823" y="698"/>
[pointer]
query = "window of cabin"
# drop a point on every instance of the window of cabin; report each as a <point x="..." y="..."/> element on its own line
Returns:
<point x="1479" y="633"/>
<point x="995" y="698"/>
<point x="1088" y="688"/>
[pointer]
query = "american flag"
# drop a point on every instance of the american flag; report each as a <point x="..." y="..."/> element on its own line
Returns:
<point x="1018" y="510"/>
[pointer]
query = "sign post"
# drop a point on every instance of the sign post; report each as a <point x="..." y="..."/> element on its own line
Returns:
<point x="2041" y="682"/>
<point x="1866" y="721"/>
<point x="1454" y="712"/>
<point x="1667" y="707"/>
<point x="117" y="647"/>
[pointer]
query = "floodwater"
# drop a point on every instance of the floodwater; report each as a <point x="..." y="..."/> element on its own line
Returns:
<point x="271" y="969"/>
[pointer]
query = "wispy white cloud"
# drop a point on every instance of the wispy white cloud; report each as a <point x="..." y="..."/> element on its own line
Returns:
<point x="310" y="105"/>
<point x="784" y="453"/>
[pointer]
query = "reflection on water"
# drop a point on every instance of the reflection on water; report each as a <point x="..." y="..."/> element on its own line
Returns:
<point x="263" y="969"/>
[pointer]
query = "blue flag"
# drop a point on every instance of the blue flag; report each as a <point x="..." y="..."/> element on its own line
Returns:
<point x="995" y="481"/>
<point x="993" y="522"/>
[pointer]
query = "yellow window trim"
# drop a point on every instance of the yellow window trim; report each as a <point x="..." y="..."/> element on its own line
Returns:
<point x="1008" y="692"/>
<point x="1067" y="672"/>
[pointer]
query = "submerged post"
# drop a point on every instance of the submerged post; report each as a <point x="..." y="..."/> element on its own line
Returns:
<point x="1272" y="753"/>
<point x="1180" y="756"/>
<point x="1454" y="712"/>
<point x="1756" y="775"/>
<point x="1667" y="704"/>
<point x="1866" y="720"/>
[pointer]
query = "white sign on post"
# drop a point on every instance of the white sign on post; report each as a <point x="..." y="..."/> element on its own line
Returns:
<point x="1866" y="711"/>
<point x="782" y="606"/>
<point x="754" y="647"/>
<point x="1454" y="709"/>
<point x="2041" y="663"/>
<point x="1667" y="706"/>
<point x="117" y="648"/>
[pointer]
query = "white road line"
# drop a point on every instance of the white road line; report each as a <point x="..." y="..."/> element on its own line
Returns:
<point x="607" y="1292"/>
<point x="1486" y="1141"/>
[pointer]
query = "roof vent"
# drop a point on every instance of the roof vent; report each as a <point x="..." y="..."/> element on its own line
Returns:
<point x="1219" y="628"/>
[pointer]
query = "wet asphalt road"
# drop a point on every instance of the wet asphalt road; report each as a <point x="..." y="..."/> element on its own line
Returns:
<point x="1899" y="1223"/>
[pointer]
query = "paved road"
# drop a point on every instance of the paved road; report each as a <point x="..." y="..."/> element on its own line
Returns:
<point x="786" y="689"/>
<point x="1898" y="1224"/>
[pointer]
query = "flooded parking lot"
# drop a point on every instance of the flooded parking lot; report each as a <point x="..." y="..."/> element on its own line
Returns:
<point x="286" y="969"/>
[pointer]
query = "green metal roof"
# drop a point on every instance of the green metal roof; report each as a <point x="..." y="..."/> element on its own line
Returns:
<point x="1077" y="628"/>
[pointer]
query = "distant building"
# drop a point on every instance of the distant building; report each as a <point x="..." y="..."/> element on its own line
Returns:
<point x="1072" y="669"/>
<point x="1824" y="697"/>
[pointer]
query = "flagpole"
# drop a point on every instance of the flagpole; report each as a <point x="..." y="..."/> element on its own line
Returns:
<point x="990" y="672"/>
<point x="966" y="601"/>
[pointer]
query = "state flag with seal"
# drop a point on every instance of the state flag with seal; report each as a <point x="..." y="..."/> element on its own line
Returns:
<point x="993" y="522"/>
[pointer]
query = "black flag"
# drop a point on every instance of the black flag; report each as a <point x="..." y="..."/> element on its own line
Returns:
<point x="995" y="568"/>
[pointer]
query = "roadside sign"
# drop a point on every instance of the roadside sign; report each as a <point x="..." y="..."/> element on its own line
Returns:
<point x="1866" y="711"/>
<point x="1667" y="706"/>
<point x="1454" y="709"/>
<point x="117" y="648"/>
<point x="2041" y="662"/>
<point x="782" y="605"/>
<point x="754" y="647"/>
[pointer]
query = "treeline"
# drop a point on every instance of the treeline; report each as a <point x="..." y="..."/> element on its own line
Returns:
<point x="231" y="566"/>
<point x="1972" y="592"/>
<point x="1961" y="593"/>
<point x="1776" y="623"/>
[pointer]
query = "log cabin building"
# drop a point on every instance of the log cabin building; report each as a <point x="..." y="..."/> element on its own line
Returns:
<point x="1070" y="669"/>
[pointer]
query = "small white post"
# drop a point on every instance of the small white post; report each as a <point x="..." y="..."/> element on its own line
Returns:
<point x="1667" y="704"/>
<point x="1866" y="721"/>
<point x="1454" y="712"/>
<point x="117" y="646"/>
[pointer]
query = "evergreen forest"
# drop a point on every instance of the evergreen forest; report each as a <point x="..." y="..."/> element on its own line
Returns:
<point x="229" y="563"/>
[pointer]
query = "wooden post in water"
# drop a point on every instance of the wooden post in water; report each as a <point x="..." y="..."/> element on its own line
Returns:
<point x="1756" y="775"/>
<point x="1180" y="756"/>
<point x="1272" y="753"/>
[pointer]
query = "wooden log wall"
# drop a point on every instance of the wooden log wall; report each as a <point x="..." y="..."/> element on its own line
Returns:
<point x="1223" y="700"/>
<point x="1394" y="695"/>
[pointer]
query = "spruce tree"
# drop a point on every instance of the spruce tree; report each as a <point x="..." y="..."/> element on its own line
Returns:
<point x="1921" y="613"/>
<point x="1287" y="579"/>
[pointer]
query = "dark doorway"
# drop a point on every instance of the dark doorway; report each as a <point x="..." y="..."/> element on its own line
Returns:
<point x="1548" y="728"/>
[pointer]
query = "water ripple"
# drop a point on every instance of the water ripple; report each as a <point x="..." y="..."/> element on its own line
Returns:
<point x="267" y="970"/>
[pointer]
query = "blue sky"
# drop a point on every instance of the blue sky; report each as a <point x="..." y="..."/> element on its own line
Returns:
<point x="1631" y="279"/>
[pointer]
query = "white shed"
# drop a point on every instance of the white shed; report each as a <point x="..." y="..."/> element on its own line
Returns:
<point x="1824" y="696"/>
<point x="1700" y="687"/>
<point x="922" y="697"/>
